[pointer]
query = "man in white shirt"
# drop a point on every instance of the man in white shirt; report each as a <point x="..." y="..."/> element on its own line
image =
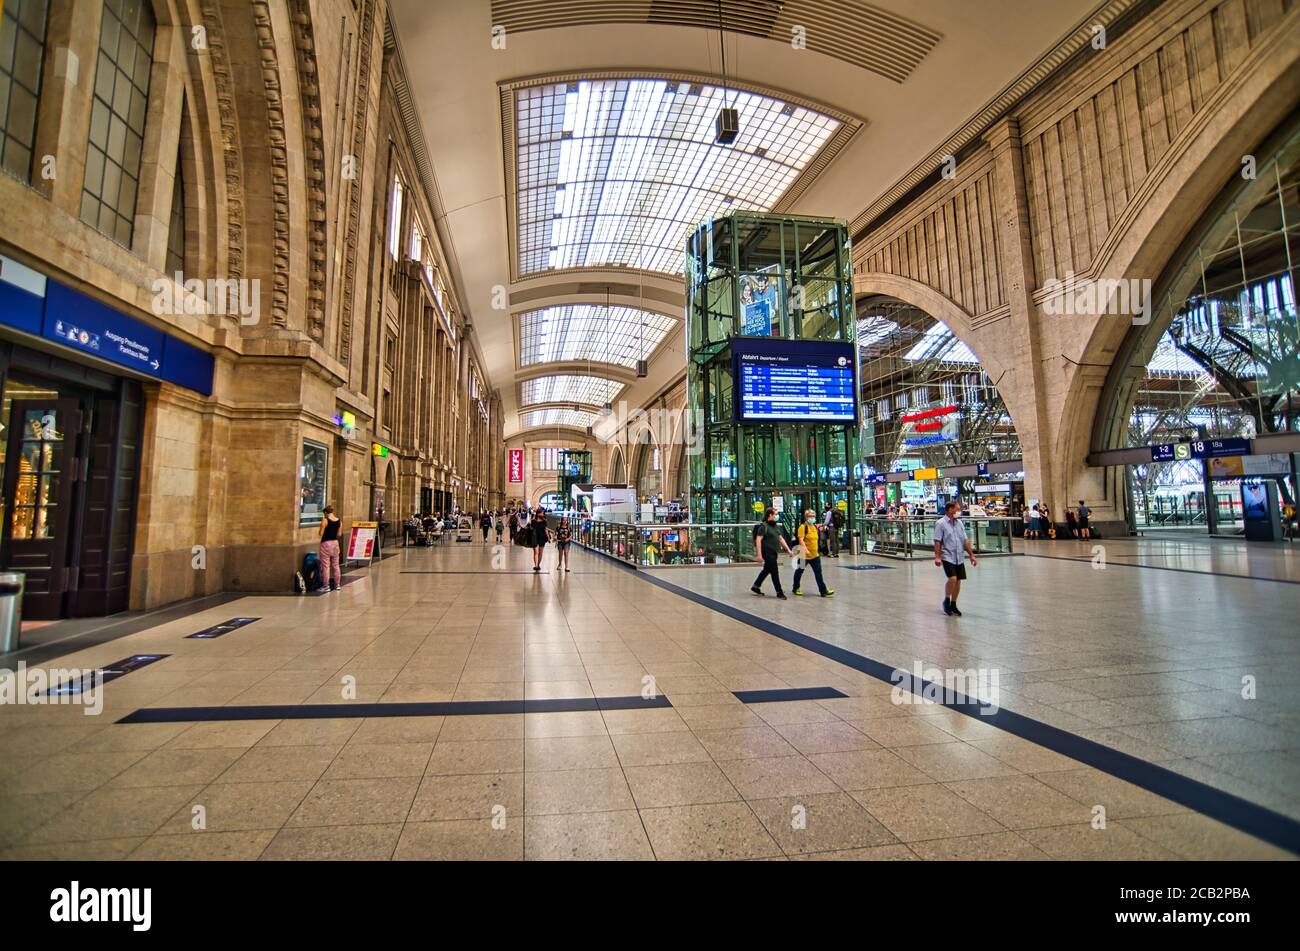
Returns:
<point x="951" y="546"/>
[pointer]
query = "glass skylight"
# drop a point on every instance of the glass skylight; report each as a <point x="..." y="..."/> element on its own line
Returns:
<point x="569" y="388"/>
<point x="940" y="341"/>
<point x="557" y="417"/>
<point x="617" y="171"/>
<point x="590" y="332"/>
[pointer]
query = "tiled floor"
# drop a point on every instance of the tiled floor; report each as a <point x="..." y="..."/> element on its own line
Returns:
<point x="1148" y="661"/>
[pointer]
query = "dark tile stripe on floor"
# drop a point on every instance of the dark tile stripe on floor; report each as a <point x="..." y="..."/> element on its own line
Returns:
<point x="449" y="708"/>
<point x="1249" y="817"/>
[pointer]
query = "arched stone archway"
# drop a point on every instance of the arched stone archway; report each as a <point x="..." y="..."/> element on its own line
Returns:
<point x="1151" y="241"/>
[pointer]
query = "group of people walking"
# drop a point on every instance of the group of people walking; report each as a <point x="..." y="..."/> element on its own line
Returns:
<point x="770" y="538"/>
<point x="1039" y="523"/>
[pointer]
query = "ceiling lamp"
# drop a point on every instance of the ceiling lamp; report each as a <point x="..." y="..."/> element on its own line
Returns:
<point x="727" y="126"/>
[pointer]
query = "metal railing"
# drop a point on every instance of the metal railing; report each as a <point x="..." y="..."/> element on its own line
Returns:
<point x="653" y="544"/>
<point x="914" y="537"/>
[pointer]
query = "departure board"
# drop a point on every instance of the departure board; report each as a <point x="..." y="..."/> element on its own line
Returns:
<point x="794" y="380"/>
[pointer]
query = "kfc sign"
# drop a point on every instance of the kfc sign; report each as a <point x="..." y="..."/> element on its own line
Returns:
<point x="516" y="465"/>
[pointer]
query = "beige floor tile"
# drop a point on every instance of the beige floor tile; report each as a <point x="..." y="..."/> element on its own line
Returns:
<point x="1194" y="836"/>
<point x="791" y="712"/>
<point x="19" y="815"/>
<point x="868" y="769"/>
<point x="555" y="792"/>
<point x="820" y="823"/>
<point x="878" y="853"/>
<point x="265" y="764"/>
<point x="1021" y="802"/>
<point x="575" y="723"/>
<point x="367" y="843"/>
<point x="1084" y="842"/>
<point x="97" y="850"/>
<point x="237" y="807"/>
<point x="313" y="732"/>
<point x="356" y="801"/>
<point x="913" y="813"/>
<point x="726" y="717"/>
<point x="995" y="847"/>
<point x="398" y="730"/>
<point x="833" y="737"/>
<point x="451" y="757"/>
<point x="461" y="841"/>
<point x="380" y="760"/>
<point x="728" y="830"/>
<point x="744" y="743"/>
<point x="952" y="762"/>
<point x="223" y="734"/>
<point x="654" y="720"/>
<point x="679" y="784"/>
<point x="469" y="796"/>
<point x="67" y="772"/>
<point x="1121" y="799"/>
<point x="167" y="767"/>
<point x="773" y="776"/>
<point x="656" y="749"/>
<point x="593" y="836"/>
<point x="569" y="752"/>
<point x="113" y="813"/>
<point x="209" y="847"/>
<point x="893" y="732"/>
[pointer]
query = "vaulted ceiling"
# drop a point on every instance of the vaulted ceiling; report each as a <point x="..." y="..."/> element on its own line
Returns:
<point x="573" y="149"/>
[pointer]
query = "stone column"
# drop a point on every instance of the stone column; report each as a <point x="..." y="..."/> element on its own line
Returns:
<point x="1024" y="387"/>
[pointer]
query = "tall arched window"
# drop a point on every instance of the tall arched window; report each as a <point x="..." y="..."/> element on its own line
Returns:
<point x="22" y="50"/>
<point x="117" y="114"/>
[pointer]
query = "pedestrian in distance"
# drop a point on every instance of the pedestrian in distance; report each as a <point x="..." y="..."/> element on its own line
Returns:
<point x="330" y="572"/>
<point x="951" y="547"/>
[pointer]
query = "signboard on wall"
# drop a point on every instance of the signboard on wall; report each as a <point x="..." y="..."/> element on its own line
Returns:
<point x="516" y="465"/>
<point x="37" y="305"/>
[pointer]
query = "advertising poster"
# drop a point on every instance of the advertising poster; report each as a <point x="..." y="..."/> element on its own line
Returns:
<point x="516" y="469"/>
<point x="759" y="302"/>
<point x="313" y="475"/>
<point x="361" y="543"/>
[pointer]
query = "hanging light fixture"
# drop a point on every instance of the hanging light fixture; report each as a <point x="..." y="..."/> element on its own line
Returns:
<point x="728" y="121"/>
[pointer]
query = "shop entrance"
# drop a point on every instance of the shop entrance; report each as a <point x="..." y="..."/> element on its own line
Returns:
<point x="70" y="441"/>
<point x="41" y="441"/>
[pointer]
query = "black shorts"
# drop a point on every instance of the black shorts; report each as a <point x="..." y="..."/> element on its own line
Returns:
<point x="954" y="571"/>
<point x="1083" y="522"/>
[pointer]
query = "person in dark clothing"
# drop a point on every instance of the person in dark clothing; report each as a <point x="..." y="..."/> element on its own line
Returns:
<point x="769" y="539"/>
<point x="540" y="536"/>
<point x="485" y="523"/>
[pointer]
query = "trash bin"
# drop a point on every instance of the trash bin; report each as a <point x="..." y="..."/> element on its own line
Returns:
<point x="855" y="541"/>
<point x="11" y="609"/>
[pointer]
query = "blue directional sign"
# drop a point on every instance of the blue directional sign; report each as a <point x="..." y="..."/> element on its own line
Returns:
<point x="797" y="380"/>
<point x="40" y="306"/>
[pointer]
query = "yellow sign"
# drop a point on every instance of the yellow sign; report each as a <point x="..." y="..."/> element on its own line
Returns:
<point x="758" y="507"/>
<point x="919" y="475"/>
<point x="842" y="505"/>
<point x="378" y="450"/>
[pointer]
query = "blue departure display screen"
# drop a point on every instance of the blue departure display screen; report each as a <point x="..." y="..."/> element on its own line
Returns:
<point x="794" y="380"/>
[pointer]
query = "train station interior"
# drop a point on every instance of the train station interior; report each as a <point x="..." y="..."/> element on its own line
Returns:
<point x="447" y="370"/>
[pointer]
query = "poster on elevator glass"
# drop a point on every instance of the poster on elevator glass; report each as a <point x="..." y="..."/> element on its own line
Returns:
<point x="760" y="300"/>
<point x="313" y="475"/>
<point x="796" y="380"/>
